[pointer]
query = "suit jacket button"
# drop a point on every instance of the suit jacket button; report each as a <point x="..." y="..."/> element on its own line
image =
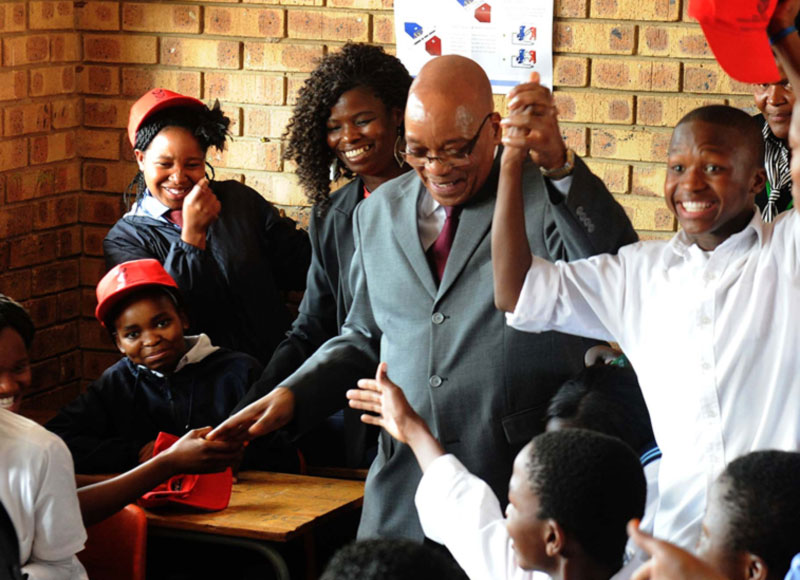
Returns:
<point x="435" y="381"/>
<point x="437" y="318"/>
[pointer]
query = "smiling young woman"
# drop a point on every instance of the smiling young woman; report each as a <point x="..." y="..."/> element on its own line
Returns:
<point x="348" y="121"/>
<point x="228" y="249"/>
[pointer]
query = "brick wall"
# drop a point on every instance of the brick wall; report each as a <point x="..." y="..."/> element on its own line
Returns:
<point x="625" y="71"/>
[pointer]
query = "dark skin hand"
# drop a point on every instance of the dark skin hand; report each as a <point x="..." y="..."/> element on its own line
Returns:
<point x="200" y="209"/>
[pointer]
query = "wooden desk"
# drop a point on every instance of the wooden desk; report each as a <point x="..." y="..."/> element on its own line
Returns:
<point x="264" y="507"/>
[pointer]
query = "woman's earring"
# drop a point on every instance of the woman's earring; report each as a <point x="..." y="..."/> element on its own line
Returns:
<point x="398" y="147"/>
<point x="334" y="171"/>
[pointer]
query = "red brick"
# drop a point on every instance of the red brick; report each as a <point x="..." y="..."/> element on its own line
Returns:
<point x="674" y="42"/>
<point x="69" y="304"/>
<point x="325" y="26"/>
<point x="178" y="18"/>
<point x="54" y="340"/>
<point x="50" y="15"/>
<point x="667" y="111"/>
<point x="120" y="48"/>
<point x="190" y="52"/>
<point x="53" y="147"/>
<point x="92" y="269"/>
<point x="98" y="16"/>
<point x="66" y="113"/>
<point x="21" y="50"/>
<point x="34" y="249"/>
<point x="636" y="75"/>
<point x="43" y="310"/>
<point x="281" y="57"/>
<point x="47" y="404"/>
<point x="45" y="374"/>
<point x="98" y="80"/>
<point x="65" y="47"/>
<point x="13" y="154"/>
<point x="101" y="209"/>
<point x="137" y="81"/>
<point x="54" y="277"/>
<point x="52" y="80"/>
<point x="93" y="240"/>
<point x="23" y="119"/>
<point x="98" y="144"/>
<point x="16" y="284"/>
<point x="12" y="16"/>
<point x="95" y="363"/>
<point x="570" y="71"/>
<point x="260" y="89"/>
<point x="13" y="85"/>
<point x="30" y="184"/>
<point x="54" y="212"/>
<point x="244" y="22"/>
<point x="111" y="113"/>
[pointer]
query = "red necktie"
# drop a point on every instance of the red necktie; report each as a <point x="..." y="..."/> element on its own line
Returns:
<point x="176" y="217"/>
<point x="440" y="250"/>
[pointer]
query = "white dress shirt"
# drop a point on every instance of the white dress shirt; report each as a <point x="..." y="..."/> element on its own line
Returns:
<point x="714" y="337"/>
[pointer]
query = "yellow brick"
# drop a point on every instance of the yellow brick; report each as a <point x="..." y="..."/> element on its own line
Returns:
<point x="635" y="144"/>
<point x="24" y="119"/>
<point x="112" y="113"/>
<point x="98" y="16"/>
<point x="594" y="37"/>
<point x="279" y="188"/>
<point x="592" y="107"/>
<point x="710" y="78"/>
<point x="53" y="147"/>
<point x="360" y="4"/>
<point x="280" y="56"/>
<point x="12" y="16"/>
<point x="65" y="47"/>
<point x="383" y="29"/>
<point x="107" y="176"/>
<point x="98" y="144"/>
<point x="66" y="113"/>
<point x="52" y="80"/>
<point x="266" y="122"/>
<point x="647" y="213"/>
<point x="250" y="154"/>
<point x="191" y="52"/>
<point x="13" y="85"/>
<point x="160" y="17"/>
<point x="662" y="10"/>
<point x="99" y="80"/>
<point x="575" y="138"/>
<point x="635" y="74"/>
<point x="314" y="25"/>
<point x="255" y="22"/>
<point x="256" y="89"/>
<point x="570" y="71"/>
<point x="21" y="50"/>
<point x="662" y="111"/>
<point x="747" y="104"/>
<point x="120" y="48"/>
<point x="137" y="81"/>
<point x="649" y="179"/>
<point x="13" y="154"/>
<point x="673" y="41"/>
<point x="50" y="15"/>
<point x="616" y="176"/>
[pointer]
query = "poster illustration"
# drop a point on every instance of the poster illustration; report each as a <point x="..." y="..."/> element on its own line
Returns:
<point x="508" y="38"/>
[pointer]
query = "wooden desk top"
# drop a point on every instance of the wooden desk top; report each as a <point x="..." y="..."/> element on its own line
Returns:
<point x="274" y="507"/>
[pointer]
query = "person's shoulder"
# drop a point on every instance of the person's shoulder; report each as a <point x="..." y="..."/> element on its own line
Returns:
<point x="224" y="359"/>
<point x="26" y="438"/>
<point x="391" y="193"/>
<point x="347" y="197"/>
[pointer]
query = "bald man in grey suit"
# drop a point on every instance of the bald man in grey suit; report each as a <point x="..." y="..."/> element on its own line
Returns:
<point x="482" y="387"/>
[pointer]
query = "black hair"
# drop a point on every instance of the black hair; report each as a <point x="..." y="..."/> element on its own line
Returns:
<point x="355" y="65"/>
<point x="14" y="315"/>
<point x="144" y="292"/>
<point x="391" y="559"/>
<point x="591" y="484"/>
<point x="733" y="119"/>
<point x="762" y="502"/>
<point x="208" y="125"/>
<point x="606" y="399"/>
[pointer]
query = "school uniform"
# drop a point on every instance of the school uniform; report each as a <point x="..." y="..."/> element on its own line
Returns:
<point x="713" y="337"/>
<point x="776" y="196"/>
<point x="106" y="426"/>
<point x="232" y="288"/>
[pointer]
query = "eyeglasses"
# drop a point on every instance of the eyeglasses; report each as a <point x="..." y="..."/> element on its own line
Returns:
<point x="453" y="158"/>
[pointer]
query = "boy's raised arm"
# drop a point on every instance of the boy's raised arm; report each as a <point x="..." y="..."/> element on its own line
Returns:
<point x="393" y="413"/>
<point x="531" y="126"/>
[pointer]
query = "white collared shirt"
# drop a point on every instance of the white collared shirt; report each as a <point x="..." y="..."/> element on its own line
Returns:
<point x="150" y="206"/>
<point x="714" y="337"/>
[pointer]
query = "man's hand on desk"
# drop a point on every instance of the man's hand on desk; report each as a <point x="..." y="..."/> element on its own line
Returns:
<point x="265" y="415"/>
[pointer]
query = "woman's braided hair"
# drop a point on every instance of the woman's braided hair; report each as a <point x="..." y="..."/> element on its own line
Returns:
<point x="208" y="125"/>
<point x="355" y="65"/>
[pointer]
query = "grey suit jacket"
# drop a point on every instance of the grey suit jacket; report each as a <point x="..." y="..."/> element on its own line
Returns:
<point x="482" y="387"/>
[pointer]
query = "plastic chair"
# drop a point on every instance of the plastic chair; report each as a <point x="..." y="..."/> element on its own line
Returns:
<point x="116" y="547"/>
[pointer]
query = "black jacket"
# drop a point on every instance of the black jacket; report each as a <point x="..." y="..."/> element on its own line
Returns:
<point x="232" y="288"/>
<point x="125" y="408"/>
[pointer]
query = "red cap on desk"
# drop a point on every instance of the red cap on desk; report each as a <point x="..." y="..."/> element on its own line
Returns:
<point x="207" y="491"/>
<point x="125" y="277"/>
<point x="153" y="101"/>
<point x="736" y="31"/>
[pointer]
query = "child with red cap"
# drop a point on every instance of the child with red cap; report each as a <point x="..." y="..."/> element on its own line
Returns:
<point x="226" y="247"/>
<point x="166" y="382"/>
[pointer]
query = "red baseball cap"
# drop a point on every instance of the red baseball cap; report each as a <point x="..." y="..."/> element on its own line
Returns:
<point x="152" y="101"/>
<point x="736" y="31"/>
<point x="125" y="277"/>
<point x="207" y="491"/>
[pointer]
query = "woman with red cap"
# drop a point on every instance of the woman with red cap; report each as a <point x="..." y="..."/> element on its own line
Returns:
<point x="228" y="249"/>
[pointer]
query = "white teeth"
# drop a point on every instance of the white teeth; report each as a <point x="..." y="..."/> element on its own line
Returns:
<point x="6" y="402"/>
<point x="695" y="205"/>
<point x="356" y="152"/>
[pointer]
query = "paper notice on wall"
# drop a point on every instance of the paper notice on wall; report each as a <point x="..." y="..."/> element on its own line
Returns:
<point x="508" y="38"/>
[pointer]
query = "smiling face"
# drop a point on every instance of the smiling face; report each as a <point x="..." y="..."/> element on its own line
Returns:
<point x="149" y="331"/>
<point x="437" y="124"/>
<point x="172" y="164"/>
<point x="15" y="369"/>
<point x="527" y="531"/>
<point x="711" y="182"/>
<point x="775" y="101"/>
<point x="362" y="133"/>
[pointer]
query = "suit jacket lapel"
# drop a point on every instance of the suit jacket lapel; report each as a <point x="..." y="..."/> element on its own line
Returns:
<point x="473" y="225"/>
<point x="406" y="230"/>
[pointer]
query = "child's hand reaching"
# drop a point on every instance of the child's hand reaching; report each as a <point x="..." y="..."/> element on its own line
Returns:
<point x="193" y="453"/>
<point x="393" y="413"/>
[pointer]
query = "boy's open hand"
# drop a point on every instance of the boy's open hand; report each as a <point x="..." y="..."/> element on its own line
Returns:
<point x="532" y="125"/>
<point x="192" y="453"/>
<point x="386" y="401"/>
<point x="668" y="562"/>
<point x="200" y="209"/>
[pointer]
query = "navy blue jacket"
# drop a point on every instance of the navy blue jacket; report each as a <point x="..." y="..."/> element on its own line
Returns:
<point x="125" y="408"/>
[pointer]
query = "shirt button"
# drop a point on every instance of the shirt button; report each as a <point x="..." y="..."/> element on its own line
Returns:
<point x="435" y="381"/>
<point x="709" y="276"/>
<point x="437" y="318"/>
<point x="705" y="320"/>
<point x="705" y="366"/>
